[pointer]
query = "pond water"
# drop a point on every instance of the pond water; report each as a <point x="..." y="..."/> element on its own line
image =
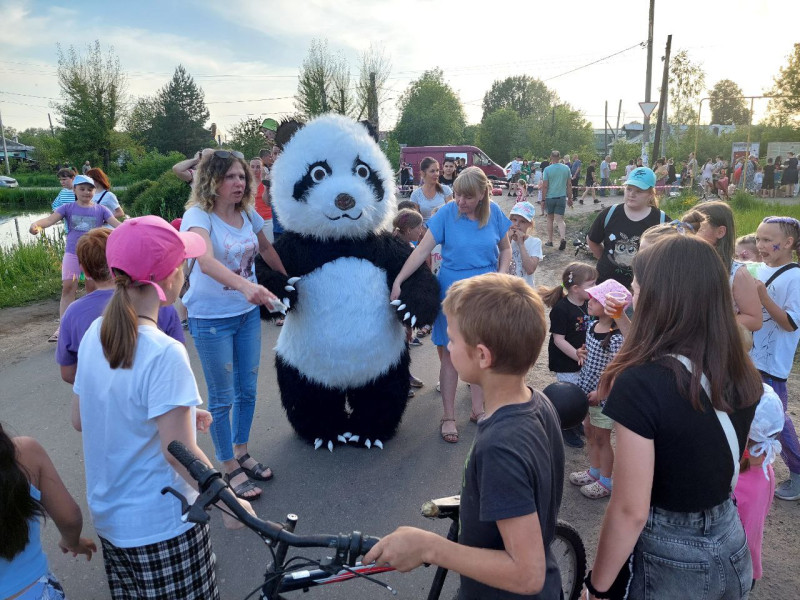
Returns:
<point x="24" y="219"/>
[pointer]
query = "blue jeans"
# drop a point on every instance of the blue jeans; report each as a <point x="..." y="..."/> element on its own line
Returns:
<point x="605" y="181"/>
<point x="692" y="555"/>
<point x="230" y="352"/>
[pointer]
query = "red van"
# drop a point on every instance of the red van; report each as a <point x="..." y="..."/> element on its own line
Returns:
<point x="474" y="157"/>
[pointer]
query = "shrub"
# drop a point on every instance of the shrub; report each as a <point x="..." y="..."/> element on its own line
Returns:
<point x="29" y="197"/>
<point x="153" y="164"/>
<point x="166" y="198"/>
<point x="132" y="192"/>
<point x="31" y="271"/>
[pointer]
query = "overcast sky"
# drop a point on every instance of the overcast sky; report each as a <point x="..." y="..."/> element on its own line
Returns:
<point x="246" y="54"/>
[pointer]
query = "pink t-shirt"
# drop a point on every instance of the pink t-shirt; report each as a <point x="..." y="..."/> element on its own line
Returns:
<point x="754" y="497"/>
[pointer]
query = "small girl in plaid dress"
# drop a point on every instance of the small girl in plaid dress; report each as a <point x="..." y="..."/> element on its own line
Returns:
<point x="603" y="341"/>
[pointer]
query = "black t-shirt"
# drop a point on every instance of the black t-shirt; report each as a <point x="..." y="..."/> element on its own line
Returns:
<point x="447" y="182"/>
<point x="515" y="468"/>
<point x="572" y="322"/>
<point x="620" y="240"/>
<point x="590" y="174"/>
<point x="693" y="463"/>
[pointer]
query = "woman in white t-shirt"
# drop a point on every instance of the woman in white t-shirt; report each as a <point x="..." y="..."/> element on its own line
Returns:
<point x="134" y="394"/>
<point x="103" y="194"/>
<point x="431" y="194"/>
<point x="223" y="300"/>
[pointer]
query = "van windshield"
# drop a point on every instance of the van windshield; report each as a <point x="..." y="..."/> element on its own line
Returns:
<point x="479" y="159"/>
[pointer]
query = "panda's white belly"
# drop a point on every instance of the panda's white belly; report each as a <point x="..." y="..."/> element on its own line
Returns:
<point x="343" y="332"/>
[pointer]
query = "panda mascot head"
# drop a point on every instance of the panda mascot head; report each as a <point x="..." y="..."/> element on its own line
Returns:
<point x="332" y="180"/>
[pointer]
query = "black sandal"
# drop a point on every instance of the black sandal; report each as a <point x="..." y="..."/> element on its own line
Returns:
<point x="241" y="489"/>
<point x="256" y="472"/>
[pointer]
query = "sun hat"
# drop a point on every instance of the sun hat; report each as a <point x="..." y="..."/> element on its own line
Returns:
<point x="599" y="291"/>
<point x="149" y="249"/>
<point x="642" y="177"/>
<point x="524" y="210"/>
<point x="765" y="428"/>
<point x="79" y="179"/>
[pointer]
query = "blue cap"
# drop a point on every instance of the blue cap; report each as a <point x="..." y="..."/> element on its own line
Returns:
<point x="79" y="179"/>
<point x="642" y="177"/>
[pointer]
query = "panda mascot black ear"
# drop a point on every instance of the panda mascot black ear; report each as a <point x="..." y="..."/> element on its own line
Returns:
<point x="373" y="133"/>
<point x="286" y="129"/>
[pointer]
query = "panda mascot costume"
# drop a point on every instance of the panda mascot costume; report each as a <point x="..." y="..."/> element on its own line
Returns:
<point x="342" y="359"/>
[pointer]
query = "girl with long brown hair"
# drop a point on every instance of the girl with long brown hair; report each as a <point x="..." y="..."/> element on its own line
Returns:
<point x="431" y="194"/>
<point x="680" y="431"/>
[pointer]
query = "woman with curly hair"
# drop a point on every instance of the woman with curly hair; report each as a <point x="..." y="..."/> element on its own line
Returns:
<point x="223" y="300"/>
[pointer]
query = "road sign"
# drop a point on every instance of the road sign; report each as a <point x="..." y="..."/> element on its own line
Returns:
<point x="648" y="107"/>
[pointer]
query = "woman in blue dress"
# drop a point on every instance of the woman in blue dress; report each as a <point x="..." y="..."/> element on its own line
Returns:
<point x="473" y="234"/>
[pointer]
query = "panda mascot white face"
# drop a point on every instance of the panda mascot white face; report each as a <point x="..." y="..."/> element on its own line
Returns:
<point x="332" y="181"/>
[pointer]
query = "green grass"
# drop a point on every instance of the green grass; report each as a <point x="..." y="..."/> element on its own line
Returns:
<point x="15" y="198"/>
<point x="30" y="272"/>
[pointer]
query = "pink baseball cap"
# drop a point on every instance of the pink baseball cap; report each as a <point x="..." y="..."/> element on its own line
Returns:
<point x="149" y="249"/>
<point x="599" y="291"/>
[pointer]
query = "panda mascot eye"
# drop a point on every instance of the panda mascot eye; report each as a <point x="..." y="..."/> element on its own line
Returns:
<point x="318" y="173"/>
<point x="362" y="171"/>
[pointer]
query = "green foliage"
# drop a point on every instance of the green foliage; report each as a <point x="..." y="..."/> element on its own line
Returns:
<point x="686" y="82"/>
<point x="431" y="113"/>
<point x="320" y="81"/>
<point x="49" y="149"/>
<point x="471" y="134"/>
<point x="525" y="95"/>
<point x="622" y="152"/>
<point x="563" y="129"/>
<point x="500" y="133"/>
<point x="392" y="151"/>
<point x="92" y="90"/>
<point x="153" y="164"/>
<point x="166" y="198"/>
<point x="246" y="137"/>
<point x="29" y="197"/>
<point x="179" y="122"/>
<point x="784" y="111"/>
<point x="727" y="105"/>
<point x="133" y="191"/>
<point x="31" y="271"/>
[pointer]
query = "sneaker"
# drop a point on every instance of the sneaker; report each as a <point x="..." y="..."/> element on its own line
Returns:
<point x="789" y="489"/>
<point x="597" y="201"/>
<point x="415" y="342"/>
<point x="410" y="393"/>
<point x="185" y="324"/>
<point x="580" y="201"/>
<point x="571" y="438"/>
<point x="438" y="387"/>
<point x="595" y="490"/>
<point x="549" y="244"/>
<point x="562" y="245"/>
<point x="414" y="382"/>
<point x="581" y="478"/>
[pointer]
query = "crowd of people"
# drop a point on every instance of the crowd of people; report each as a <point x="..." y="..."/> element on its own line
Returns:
<point x="697" y="398"/>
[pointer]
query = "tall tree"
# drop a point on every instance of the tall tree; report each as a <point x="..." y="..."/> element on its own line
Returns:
<point x="314" y="84"/>
<point x="342" y="100"/>
<point x="687" y="80"/>
<point x="92" y="96"/>
<point x="500" y="133"/>
<point x="369" y="100"/>
<point x="523" y="94"/>
<point x="181" y="116"/>
<point x="727" y="105"/>
<point x="783" y="111"/>
<point x="246" y="137"/>
<point x="430" y="112"/>
<point x="141" y="119"/>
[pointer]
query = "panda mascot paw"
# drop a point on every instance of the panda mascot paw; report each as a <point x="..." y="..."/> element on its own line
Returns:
<point x="341" y="358"/>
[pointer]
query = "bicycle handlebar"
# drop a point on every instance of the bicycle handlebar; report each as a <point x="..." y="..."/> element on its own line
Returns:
<point x="213" y="489"/>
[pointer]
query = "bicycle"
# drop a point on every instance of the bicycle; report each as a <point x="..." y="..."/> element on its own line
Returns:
<point x="300" y="573"/>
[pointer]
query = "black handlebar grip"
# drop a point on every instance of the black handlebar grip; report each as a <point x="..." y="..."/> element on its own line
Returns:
<point x="367" y="542"/>
<point x="197" y="468"/>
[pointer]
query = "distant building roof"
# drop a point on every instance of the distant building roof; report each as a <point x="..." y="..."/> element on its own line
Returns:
<point x="15" y="146"/>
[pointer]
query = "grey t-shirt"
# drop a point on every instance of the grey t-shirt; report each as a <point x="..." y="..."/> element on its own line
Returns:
<point x="515" y="468"/>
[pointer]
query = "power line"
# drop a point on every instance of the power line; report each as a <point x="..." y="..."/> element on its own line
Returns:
<point x="594" y="62"/>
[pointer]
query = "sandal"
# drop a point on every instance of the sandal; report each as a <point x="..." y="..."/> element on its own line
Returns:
<point x="257" y="472"/>
<point x="450" y="438"/>
<point x="241" y="489"/>
<point x="595" y="490"/>
<point x="475" y="417"/>
<point x="54" y="338"/>
<point x="581" y="478"/>
<point x="414" y="382"/>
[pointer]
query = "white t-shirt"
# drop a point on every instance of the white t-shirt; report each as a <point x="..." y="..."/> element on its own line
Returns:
<point x="125" y="468"/>
<point x="427" y="206"/>
<point x="234" y="248"/>
<point x="107" y="199"/>
<point x="773" y="348"/>
<point x="534" y="247"/>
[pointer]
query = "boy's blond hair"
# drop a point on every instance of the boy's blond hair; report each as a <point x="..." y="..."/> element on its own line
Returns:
<point x="503" y="313"/>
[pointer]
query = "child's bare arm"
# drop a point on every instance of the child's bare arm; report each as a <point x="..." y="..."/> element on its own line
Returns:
<point x="780" y="316"/>
<point x="519" y="569"/>
<point x="563" y="345"/>
<point x="37" y="226"/>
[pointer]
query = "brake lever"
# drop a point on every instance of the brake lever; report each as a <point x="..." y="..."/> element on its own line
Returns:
<point x="184" y="503"/>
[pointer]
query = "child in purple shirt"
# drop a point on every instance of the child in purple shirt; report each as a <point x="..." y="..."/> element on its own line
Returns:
<point x="80" y="216"/>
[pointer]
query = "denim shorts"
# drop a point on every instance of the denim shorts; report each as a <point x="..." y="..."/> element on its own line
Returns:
<point x="692" y="555"/>
<point x="557" y="206"/>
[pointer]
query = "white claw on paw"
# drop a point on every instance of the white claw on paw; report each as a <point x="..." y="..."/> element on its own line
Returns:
<point x="368" y="444"/>
<point x="354" y="438"/>
<point x="330" y="446"/>
<point x="341" y="438"/>
<point x="287" y="303"/>
<point x="406" y="316"/>
<point x="413" y="320"/>
<point x="288" y="288"/>
<point x="317" y="443"/>
<point x="401" y="307"/>
<point x="293" y="280"/>
<point x="379" y="444"/>
<point x="397" y="302"/>
<point x="347" y="435"/>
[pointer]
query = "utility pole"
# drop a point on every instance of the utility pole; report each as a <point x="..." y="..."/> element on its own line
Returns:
<point x="52" y="131"/>
<point x="605" y="132"/>
<point x="619" y="114"/>
<point x="372" y="103"/>
<point x="648" y="81"/>
<point x="662" y="104"/>
<point x="5" y="150"/>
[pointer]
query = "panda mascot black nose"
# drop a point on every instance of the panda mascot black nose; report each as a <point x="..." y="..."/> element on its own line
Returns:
<point x="344" y="202"/>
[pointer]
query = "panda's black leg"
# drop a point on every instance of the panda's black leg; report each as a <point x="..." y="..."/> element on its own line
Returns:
<point x="378" y="407"/>
<point x="314" y="411"/>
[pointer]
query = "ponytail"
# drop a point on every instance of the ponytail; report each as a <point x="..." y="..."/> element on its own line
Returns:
<point x="576" y="273"/>
<point x="17" y="505"/>
<point x="119" y="329"/>
<point x="551" y="296"/>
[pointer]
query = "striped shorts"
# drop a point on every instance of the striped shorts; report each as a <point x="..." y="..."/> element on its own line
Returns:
<point x="182" y="567"/>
